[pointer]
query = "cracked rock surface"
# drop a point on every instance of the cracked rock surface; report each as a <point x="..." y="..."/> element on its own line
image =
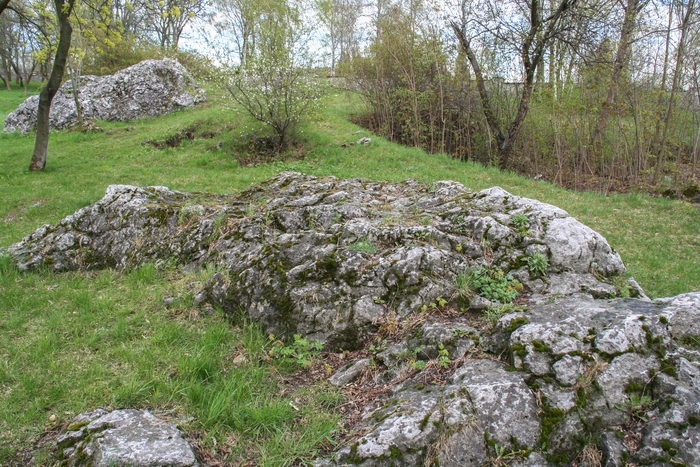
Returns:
<point x="328" y="258"/>
<point x="127" y="437"/>
<point x="147" y="89"/>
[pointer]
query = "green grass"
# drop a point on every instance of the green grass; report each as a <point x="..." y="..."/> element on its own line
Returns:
<point x="76" y="341"/>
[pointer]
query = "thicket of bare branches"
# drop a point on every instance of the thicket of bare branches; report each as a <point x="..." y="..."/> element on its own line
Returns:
<point x="592" y="94"/>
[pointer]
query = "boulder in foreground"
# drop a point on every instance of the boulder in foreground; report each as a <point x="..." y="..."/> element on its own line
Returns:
<point x="123" y="438"/>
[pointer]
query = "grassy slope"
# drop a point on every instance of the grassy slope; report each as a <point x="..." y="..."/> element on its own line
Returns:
<point x="72" y="342"/>
<point x="657" y="238"/>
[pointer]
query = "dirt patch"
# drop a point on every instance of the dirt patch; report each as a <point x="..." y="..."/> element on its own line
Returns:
<point x="190" y="133"/>
<point x="20" y="210"/>
<point x="252" y="150"/>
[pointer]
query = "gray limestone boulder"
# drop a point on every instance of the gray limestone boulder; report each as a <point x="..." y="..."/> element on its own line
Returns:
<point x="329" y="258"/>
<point x="147" y="89"/>
<point x="615" y="380"/>
<point x="455" y="424"/>
<point x="123" y="438"/>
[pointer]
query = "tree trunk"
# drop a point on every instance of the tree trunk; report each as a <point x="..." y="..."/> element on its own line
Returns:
<point x="674" y="88"/>
<point x="664" y="77"/>
<point x="619" y="63"/>
<point x="541" y="34"/>
<point x="41" y="144"/>
<point x="6" y="79"/>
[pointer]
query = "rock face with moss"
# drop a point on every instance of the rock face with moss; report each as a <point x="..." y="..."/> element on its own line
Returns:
<point x="580" y="381"/>
<point x="557" y="372"/>
<point x="147" y="89"/>
<point x="329" y="258"/>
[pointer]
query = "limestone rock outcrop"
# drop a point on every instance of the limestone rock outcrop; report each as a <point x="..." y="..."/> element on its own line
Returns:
<point x="620" y="378"/>
<point x="147" y="89"/>
<point x="570" y="374"/>
<point x="123" y="438"/>
<point x="329" y="258"/>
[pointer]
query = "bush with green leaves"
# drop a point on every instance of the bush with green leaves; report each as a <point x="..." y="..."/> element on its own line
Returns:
<point x="494" y="284"/>
<point x="277" y="93"/>
<point x="275" y="84"/>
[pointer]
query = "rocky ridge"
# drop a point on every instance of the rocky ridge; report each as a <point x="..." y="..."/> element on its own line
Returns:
<point x="147" y="89"/>
<point x="329" y="258"/>
<point x="567" y="374"/>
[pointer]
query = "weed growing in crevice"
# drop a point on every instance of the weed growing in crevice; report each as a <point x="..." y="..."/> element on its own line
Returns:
<point x="495" y="285"/>
<point x="537" y="264"/>
<point x="363" y="245"/>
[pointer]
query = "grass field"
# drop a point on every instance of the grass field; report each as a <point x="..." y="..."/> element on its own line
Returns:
<point x="76" y="341"/>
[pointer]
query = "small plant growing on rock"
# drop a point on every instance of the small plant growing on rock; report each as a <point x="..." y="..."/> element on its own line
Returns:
<point x="521" y="223"/>
<point x="417" y="364"/>
<point x="363" y="245"/>
<point x="491" y="315"/>
<point x="537" y="263"/>
<point x="443" y="357"/>
<point x="465" y="286"/>
<point x="495" y="285"/>
<point x="378" y="347"/>
<point x="637" y="406"/>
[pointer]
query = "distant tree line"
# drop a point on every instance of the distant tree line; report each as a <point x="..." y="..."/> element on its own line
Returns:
<point x="593" y="94"/>
<point x="601" y="94"/>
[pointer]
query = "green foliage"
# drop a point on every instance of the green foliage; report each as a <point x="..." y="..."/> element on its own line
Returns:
<point x="537" y="263"/>
<point x="465" y="285"/>
<point x="439" y="302"/>
<point x="495" y="285"/>
<point x="300" y="351"/>
<point x="492" y="314"/>
<point x="417" y="364"/>
<point x="637" y="406"/>
<point x="380" y="346"/>
<point x="443" y="357"/>
<point x="363" y="245"/>
<point x="521" y="221"/>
